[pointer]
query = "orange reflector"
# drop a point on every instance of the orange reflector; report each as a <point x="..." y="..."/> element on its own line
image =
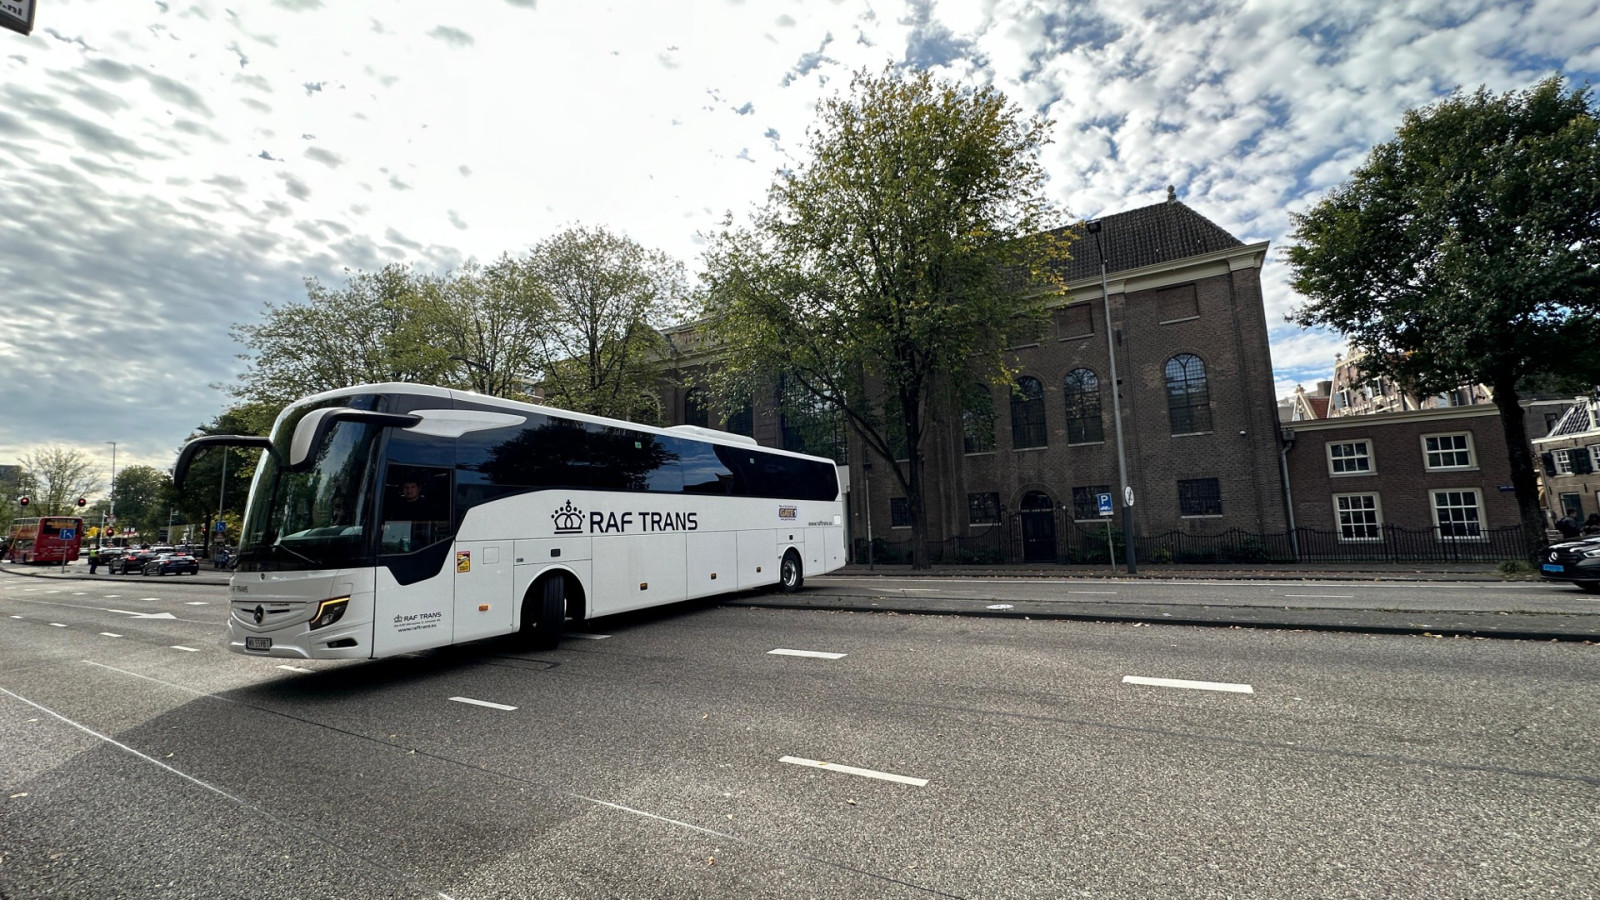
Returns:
<point x="644" y="585"/>
<point x="483" y="607"/>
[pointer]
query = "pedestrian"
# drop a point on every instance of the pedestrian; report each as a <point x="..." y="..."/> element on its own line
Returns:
<point x="1591" y="525"/>
<point x="1568" y="524"/>
<point x="94" y="559"/>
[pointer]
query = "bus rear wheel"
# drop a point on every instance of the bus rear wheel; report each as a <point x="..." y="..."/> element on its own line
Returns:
<point x="791" y="576"/>
<point x="544" y="611"/>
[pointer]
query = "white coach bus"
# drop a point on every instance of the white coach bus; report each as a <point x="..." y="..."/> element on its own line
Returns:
<point x="388" y="518"/>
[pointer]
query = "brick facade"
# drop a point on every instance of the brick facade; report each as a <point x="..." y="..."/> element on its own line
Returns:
<point x="1396" y="473"/>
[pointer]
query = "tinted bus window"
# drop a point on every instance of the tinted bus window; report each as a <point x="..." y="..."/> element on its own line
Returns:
<point x="628" y="460"/>
<point x="703" y="470"/>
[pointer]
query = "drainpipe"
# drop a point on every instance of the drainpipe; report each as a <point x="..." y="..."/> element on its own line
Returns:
<point x="1287" y="435"/>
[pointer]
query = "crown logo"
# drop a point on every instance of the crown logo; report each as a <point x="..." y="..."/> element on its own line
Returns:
<point x="568" y="519"/>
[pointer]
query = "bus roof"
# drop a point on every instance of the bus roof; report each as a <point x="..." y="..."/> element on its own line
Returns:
<point x="412" y="389"/>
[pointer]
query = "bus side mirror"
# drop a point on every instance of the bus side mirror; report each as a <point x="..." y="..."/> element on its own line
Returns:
<point x="186" y="456"/>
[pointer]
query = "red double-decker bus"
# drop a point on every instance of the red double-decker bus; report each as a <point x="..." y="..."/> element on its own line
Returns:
<point x="52" y="539"/>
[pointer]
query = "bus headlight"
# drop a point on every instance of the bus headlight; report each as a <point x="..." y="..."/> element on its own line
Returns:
<point x="329" y="612"/>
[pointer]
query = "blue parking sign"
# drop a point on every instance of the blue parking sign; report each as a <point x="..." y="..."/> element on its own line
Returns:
<point x="221" y="526"/>
<point x="1105" y="504"/>
<point x="68" y="534"/>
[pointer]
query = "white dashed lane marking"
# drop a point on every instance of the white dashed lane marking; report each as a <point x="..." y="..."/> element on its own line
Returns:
<point x="811" y="654"/>
<point x="852" y="770"/>
<point x="1193" y="685"/>
<point x="57" y="625"/>
<point x="293" y="669"/>
<point x="186" y="649"/>
<point x="109" y="634"/>
<point x="585" y="637"/>
<point x="483" y="703"/>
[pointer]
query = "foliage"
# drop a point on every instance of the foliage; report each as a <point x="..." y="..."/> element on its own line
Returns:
<point x="603" y="298"/>
<point x="54" y="478"/>
<point x="891" y="268"/>
<point x="1515" y="567"/>
<point x="364" y="332"/>
<point x="221" y="475"/>
<point x="140" y="495"/>
<point x="578" y="313"/>
<point x="1467" y="251"/>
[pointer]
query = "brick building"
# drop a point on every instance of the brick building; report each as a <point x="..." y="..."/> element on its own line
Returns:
<point x="1020" y="479"/>
<point x="1570" y="458"/>
<point x="1436" y="474"/>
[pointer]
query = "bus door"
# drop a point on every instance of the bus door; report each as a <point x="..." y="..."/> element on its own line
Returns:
<point x="414" y="585"/>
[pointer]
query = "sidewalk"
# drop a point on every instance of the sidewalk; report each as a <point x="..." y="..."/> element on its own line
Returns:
<point x="1488" y="604"/>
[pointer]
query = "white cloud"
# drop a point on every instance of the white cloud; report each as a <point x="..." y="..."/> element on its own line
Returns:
<point x="169" y="172"/>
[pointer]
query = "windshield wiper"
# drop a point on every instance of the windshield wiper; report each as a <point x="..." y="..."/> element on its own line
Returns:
<point x="281" y="546"/>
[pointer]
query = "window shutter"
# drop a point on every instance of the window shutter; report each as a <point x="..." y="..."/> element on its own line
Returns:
<point x="1549" y="461"/>
<point x="1581" y="464"/>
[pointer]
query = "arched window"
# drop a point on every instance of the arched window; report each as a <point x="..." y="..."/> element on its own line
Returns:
<point x="1188" y="396"/>
<point x="1082" y="390"/>
<point x="1027" y="414"/>
<point x="694" y="408"/>
<point x="977" y="421"/>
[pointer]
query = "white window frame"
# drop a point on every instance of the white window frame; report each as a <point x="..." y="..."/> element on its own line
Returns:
<point x="1594" y="457"/>
<point x="1477" y="501"/>
<point x="1376" y="524"/>
<point x="1367" y="455"/>
<point x="1470" y="449"/>
<point x="1562" y="460"/>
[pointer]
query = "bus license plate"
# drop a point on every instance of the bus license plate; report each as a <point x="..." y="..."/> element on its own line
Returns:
<point x="1551" y="567"/>
<point x="257" y="643"/>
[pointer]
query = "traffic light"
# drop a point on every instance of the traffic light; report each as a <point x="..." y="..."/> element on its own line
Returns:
<point x="82" y="502"/>
<point x="22" y="501"/>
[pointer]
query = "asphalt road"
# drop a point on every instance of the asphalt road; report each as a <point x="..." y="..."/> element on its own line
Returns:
<point x="666" y="755"/>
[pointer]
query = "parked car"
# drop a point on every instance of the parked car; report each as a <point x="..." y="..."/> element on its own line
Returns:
<point x="1574" y="562"/>
<point x="133" y="561"/>
<point x="172" y="563"/>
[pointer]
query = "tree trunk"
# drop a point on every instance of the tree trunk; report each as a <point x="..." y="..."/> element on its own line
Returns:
<point x="1523" y="476"/>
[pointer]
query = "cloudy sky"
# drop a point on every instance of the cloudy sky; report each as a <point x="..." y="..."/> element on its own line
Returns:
<point x="168" y="168"/>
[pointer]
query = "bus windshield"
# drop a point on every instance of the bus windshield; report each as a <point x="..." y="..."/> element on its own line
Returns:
<point x="317" y="518"/>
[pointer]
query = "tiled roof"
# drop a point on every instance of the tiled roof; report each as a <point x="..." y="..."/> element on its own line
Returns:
<point x="1319" y="406"/>
<point x="1575" y="421"/>
<point x="1147" y="236"/>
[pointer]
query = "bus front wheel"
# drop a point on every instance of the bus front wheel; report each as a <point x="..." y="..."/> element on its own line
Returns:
<point x="791" y="576"/>
<point x="543" y="612"/>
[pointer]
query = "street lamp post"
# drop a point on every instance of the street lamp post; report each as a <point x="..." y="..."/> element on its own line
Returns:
<point x="113" y="512"/>
<point x="866" y="476"/>
<point x="1116" y="408"/>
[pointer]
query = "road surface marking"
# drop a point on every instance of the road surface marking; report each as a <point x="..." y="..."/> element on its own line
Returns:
<point x="852" y="770"/>
<point x="999" y="606"/>
<point x="1112" y="593"/>
<point x="16" y="617"/>
<point x="186" y="649"/>
<point x="113" y="596"/>
<point x="293" y="669"/>
<point x="109" y="634"/>
<point x="1196" y="685"/>
<point x="1325" y="596"/>
<point x="812" y="654"/>
<point x="483" y="703"/>
<point x="920" y="590"/>
<point x="80" y="593"/>
<point x="57" y="625"/>
<point x="585" y="637"/>
<point x="197" y="603"/>
<point x="140" y="615"/>
<point x="150" y="599"/>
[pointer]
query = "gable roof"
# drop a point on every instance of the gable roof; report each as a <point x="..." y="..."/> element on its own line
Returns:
<point x="1147" y="236"/>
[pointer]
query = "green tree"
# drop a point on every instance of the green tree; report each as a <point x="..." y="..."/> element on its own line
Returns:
<point x="484" y="324"/>
<point x="1467" y="251"/>
<point x="141" y="494"/>
<point x="368" y="331"/>
<point x="600" y="300"/>
<point x="886" y="275"/>
<point x="55" y="477"/>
